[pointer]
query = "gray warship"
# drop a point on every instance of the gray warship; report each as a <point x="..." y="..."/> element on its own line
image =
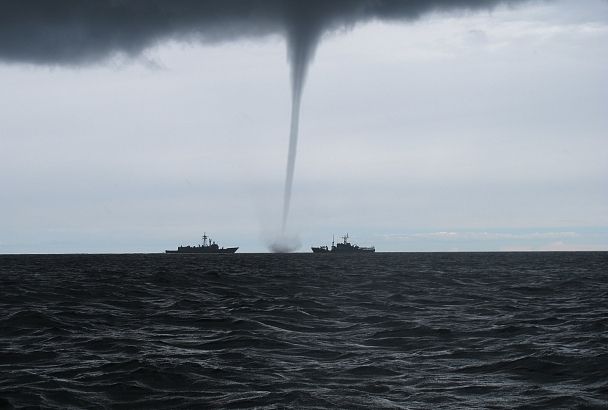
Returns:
<point x="208" y="246"/>
<point x="344" y="247"/>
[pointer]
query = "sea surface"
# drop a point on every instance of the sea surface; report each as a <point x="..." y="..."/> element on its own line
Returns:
<point x="388" y="330"/>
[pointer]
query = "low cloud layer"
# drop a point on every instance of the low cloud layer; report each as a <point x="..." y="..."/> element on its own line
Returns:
<point x="77" y="32"/>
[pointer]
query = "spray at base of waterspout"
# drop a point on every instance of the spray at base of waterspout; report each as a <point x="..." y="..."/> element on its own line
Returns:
<point x="284" y="244"/>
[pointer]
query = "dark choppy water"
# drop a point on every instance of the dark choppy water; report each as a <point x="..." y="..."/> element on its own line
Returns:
<point x="305" y="331"/>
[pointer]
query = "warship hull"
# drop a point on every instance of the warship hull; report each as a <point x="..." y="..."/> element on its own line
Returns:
<point x="322" y="249"/>
<point x="196" y="249"/>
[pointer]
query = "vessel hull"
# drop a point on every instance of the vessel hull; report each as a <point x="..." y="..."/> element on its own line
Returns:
<point x="202" y="250"/>
<point x="342" y="249"/>
<point x="360" y="250"/>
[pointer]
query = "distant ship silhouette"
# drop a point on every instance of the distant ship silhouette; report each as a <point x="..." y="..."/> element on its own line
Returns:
<point x="344" y="247"/>
<point x="208" y="246"/>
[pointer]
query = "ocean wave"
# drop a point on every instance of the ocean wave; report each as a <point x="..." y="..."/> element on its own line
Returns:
<point x="302" y="331"/>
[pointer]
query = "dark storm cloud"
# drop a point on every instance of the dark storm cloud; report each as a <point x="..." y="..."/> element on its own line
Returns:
<point x="86" y="31"/>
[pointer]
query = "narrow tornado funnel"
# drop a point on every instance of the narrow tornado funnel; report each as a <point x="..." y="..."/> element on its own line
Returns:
<point x="302" y="41"/>
<point x="296" y="98"/>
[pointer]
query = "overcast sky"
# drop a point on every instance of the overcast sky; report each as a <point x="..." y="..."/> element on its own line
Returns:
<point x="474" y="130"/>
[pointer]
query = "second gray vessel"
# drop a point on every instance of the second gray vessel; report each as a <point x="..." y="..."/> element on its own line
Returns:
<point x="344" y="247"/>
